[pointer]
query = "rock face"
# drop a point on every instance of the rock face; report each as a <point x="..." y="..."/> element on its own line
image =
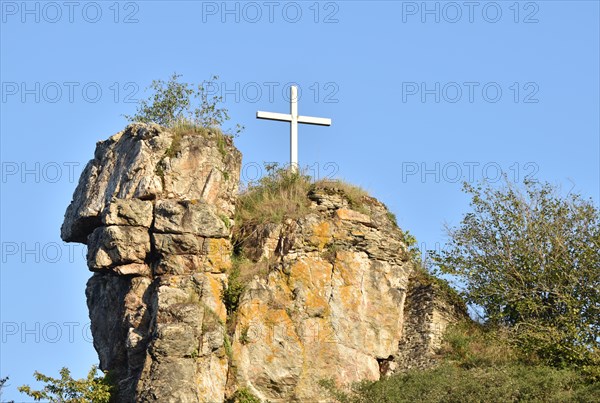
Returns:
<point x="154" y="209"/>
<point x="428" y="311"/>
<point x="328" y="295"/>
<point x="331" y="305"/>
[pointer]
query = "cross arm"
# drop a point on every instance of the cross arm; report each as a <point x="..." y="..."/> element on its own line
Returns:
<point x="314" y="121"/>
<point x="282" y="117"/>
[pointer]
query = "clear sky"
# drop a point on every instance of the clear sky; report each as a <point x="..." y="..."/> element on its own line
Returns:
<point x="422" y="96"/>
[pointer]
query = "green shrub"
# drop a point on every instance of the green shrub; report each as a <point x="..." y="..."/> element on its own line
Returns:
<point x="244" y="338"/>
<point x="530" y="257"/>
<point x="180" y="106"/>
<point x="469" y="345"/>
<point x="227" y="346"/>
<point x="232" y="293"/>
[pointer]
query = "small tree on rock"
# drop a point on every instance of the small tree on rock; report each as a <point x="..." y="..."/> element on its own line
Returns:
<point x="175" y="103"/>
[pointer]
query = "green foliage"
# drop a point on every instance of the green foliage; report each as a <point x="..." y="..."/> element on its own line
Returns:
<point x="392" y="217"/>
<point x="232" y="293"/>
<point x="243" y="395"/>
<point x="93" y="389"/>
<point x="531" y="259"/>
<point x="409" y="239"/>
<point x="449" y="383"/>
<point x="225" y="220"/>
<point x="330" y="252"/>
<point x="225" y="174"/>
<point x="227" y="346"/>
<point x="180" y="105"/>
<point x="411" y="243"/>
<point x="221" y="146"/>
<point x="472" y="345"/>
<point x="244" y="338"/>
<point x="175" y="146"/>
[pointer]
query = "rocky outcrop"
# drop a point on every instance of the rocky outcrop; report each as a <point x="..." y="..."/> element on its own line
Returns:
<point x="328" y="295"/>
<point x="154" y="208"/>
<point x="330" y="304"/>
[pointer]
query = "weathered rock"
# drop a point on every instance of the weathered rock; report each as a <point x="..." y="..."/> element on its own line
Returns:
<point x="351" y="215"/>
<point x="189" y="217"/>
<point x="429" y="310"/>
<point x="120" y="165"/>
<point x="116" y="245"/>
<point x="134" y="269"/>
<point x="132" y="212"/>
<point x="148" y="162"/>
<point x="120" y="322"/>
<point x="152" y="207"/>
<point x="177" y="244"/>
<point x="330" y="307"/>
<point x="329" y="295"/>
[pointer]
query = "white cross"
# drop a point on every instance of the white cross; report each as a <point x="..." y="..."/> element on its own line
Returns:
<point x="294" y="119"/>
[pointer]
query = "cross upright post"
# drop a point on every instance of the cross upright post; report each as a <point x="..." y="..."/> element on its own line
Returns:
<point x="294" y="127"/>
<point x="294" y="119"/>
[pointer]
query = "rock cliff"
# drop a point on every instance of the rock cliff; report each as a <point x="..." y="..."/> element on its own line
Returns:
<point x="176" y="319"/>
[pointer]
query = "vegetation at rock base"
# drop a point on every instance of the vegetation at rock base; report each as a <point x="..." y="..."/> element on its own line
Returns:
<point x="93" y="389"/>
<point x="478" y="364"/>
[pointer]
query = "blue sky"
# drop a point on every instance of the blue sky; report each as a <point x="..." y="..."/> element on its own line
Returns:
<point x="422" y="96"/>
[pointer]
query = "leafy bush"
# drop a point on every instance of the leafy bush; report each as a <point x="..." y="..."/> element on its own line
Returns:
<point x="531" y="260"/>
<point x="178" y="105"/>
<point x="93" y="389"/>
